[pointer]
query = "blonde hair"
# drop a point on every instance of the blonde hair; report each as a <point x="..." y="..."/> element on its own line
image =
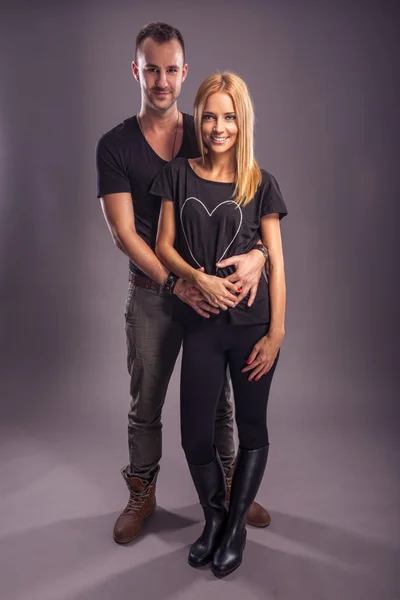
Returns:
<point x="248" y="175"/>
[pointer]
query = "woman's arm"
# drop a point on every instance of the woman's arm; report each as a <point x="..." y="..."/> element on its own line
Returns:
<point x="215" y="290"/>
<point x="165" y="244"/>
<point x="265" y="351"/>
<point x="271" y="238"/>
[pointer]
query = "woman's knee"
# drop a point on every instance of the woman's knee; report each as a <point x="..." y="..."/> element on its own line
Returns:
<point x="253" y="436"/>
<point x="198" y="451"/>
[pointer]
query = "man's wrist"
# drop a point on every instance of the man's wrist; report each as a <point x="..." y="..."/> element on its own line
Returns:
<point x="179" y="287"/>
<point x="261" y="248"/>
<point x="170" y="283"/>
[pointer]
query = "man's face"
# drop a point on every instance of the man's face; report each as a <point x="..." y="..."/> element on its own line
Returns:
<point x="160" y="70"/>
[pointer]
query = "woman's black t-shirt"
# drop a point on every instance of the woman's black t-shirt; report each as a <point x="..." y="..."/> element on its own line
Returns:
<point x="211" y="226"/>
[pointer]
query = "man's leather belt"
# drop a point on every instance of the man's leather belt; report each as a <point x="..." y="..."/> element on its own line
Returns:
<point x="144" y="282"/>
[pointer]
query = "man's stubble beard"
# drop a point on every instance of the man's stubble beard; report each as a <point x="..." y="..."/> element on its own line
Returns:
<point x="161" y="108"/>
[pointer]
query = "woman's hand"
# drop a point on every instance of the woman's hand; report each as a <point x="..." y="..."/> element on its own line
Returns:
<point x="249" y="268"/>
<point x="218" y="292"/>
<point x="263" y="355"/>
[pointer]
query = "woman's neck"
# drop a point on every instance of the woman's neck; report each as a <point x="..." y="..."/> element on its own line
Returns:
<point x="220" y="166"/>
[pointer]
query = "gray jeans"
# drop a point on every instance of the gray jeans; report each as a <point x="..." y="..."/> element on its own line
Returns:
<point x="153" y="344"/>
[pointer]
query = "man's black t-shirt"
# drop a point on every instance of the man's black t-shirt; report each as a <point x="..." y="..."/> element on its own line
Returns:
<point x="211" y="226"/>
<point x="127" y="163"/>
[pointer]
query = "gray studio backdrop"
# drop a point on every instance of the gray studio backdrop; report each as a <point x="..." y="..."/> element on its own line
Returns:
<point x="323" y="76"/>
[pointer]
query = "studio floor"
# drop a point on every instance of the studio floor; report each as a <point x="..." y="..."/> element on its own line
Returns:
<point x="332" y="490"/>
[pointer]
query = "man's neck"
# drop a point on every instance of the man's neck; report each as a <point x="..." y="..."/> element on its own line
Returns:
<point x="159" y="120"/>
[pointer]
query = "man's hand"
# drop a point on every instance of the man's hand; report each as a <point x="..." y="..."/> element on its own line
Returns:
<point x="247" y="275"/>
<point x="191" y="295"/>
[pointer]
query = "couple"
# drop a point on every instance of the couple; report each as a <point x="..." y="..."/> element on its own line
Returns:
<point x="195" y="276"/>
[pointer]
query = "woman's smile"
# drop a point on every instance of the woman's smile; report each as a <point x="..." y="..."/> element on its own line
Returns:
<point x="219" y="127"/>
<point x="219" y="139"/>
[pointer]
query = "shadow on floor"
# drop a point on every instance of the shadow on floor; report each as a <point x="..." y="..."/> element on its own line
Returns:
<point x="82" y="551"/>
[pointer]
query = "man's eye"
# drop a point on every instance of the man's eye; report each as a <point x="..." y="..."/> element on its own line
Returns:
<point x="173" y="70"/>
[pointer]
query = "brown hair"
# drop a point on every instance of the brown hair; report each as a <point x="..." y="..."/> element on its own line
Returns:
<point x="160" y="33"/>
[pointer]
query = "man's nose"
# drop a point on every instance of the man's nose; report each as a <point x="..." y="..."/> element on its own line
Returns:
<point x="162" y="79"/>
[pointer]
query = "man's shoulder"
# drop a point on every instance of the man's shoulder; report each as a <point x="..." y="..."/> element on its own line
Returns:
<point x="189" y="122"/>
<point x="120" y="134"/>
<point x="178" y="164"/>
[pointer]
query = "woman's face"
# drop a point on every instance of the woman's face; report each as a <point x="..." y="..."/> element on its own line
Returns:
<point x="219" y="128"/>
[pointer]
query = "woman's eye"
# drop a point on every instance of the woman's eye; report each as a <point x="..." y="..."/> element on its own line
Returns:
<point x="231" y="117"/>
<point x="207" y="117"/>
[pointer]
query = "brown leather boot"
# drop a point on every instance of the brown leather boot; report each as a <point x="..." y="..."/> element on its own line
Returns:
<point x="258" y="515"/>
<point x="141" y="504"/>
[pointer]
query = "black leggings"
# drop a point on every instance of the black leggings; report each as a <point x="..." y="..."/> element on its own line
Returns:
<point x="207" y="351"/>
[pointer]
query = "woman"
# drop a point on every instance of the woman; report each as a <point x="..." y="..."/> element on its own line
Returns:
<point x="214" y="207"/>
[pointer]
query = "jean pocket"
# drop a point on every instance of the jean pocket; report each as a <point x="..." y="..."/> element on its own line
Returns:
<point x="129" y="300"/>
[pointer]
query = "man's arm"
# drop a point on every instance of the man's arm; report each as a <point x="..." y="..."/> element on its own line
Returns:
<point x="119" y="215"/>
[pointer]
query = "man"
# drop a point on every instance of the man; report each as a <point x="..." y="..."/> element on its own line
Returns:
<point x="128" y="158"/>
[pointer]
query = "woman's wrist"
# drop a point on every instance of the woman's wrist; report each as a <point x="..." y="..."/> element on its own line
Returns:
<point x="195" y="277"/>
<point x="276" y="333"/>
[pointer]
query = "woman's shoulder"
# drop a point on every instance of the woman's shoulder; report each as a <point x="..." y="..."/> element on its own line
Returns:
<point x="270" y="195"/>
<point x="267" y="177"/>
<point x="268" y="182"/>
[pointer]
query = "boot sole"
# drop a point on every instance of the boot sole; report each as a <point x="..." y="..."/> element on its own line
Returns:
<point x="222" y="574"/>
<point x="131" y="539"/>
<point x="199" y="565"/>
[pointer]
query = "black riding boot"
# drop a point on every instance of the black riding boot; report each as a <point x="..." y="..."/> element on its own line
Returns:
<point x="210" y="485"/>
<point x="247" y="477"/>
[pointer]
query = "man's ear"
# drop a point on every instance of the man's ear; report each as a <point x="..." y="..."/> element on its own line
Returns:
<point x="184" y="72"/>
<point x="135" y="70"/>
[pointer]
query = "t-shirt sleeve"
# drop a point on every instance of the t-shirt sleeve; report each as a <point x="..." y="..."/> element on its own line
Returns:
<point x="271" y="199"/>
<point x="163" y="185"/>
<point x="111" y="175"/>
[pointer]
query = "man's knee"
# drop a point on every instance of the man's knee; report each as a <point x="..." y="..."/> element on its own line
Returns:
<point x="225" y="412"/>
<point x="148" y="389"/>
<point x="225" y="405"/>
<point x="145" y="414"/>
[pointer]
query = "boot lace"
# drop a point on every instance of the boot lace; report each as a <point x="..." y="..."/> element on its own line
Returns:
<point x="137" y="500"/>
